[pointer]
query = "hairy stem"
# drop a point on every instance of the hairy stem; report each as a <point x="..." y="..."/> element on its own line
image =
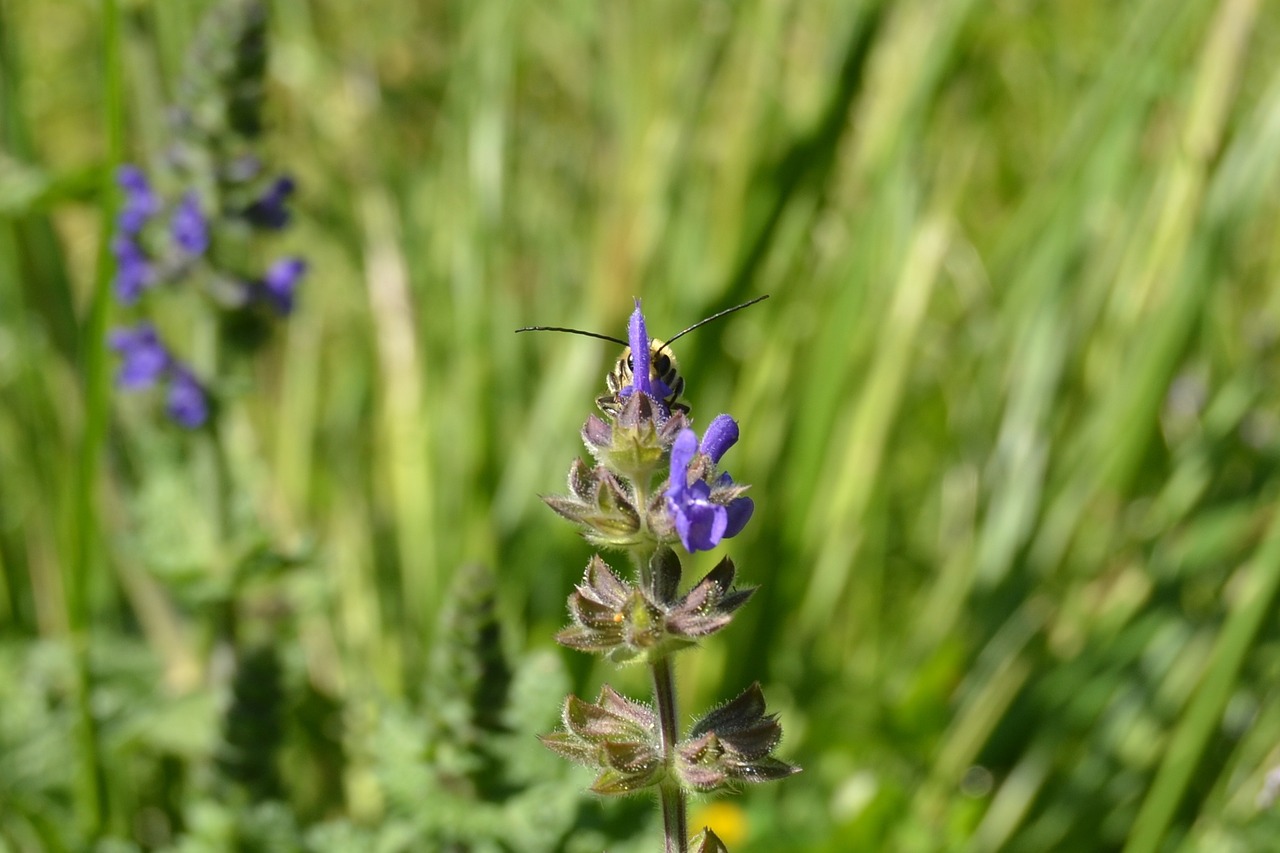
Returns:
<point x="674" y="822"/>
<point x="670" y="793"/>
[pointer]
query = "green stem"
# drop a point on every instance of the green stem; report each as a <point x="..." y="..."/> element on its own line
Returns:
<point x="91" y="792"/>
<point x="642" y="555"/>
<point x="671" y="794"/>
<point x="227" y="568"/>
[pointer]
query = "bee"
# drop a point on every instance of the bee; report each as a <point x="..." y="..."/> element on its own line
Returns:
<point x="662" y="362"/>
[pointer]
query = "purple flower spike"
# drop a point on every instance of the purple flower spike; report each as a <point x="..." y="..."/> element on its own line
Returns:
<point x="144" y="357"/>
<point x="721" y="434"/>
<point x="189" y="227"/>
<point x="140" y="201"/>
<point x="639" y="340"/>
<point x="269" y="211"/>
<point x="134" y="273"/>
<point x="188" y="404"/>
<point x="280" y="282"/>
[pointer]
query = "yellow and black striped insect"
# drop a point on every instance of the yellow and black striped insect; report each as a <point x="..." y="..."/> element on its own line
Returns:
<point x="662" y="362"/>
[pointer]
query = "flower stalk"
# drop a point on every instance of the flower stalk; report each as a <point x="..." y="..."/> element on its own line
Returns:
<point x="188" y="228"/>
<point x="655" y="487"/>
<point x="670" y="793"/>
<point x="191" y="230"/>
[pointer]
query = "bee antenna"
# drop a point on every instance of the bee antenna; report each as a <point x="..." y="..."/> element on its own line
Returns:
<point x="571" y="332"/>
<point x="715" y="316"/>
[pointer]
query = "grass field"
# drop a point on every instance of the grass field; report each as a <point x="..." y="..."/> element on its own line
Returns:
<point x="1011" y="416"/>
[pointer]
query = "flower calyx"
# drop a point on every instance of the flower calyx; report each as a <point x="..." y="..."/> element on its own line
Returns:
<point x="707" y="842"/>
<point x="600" y="504"/>
<point x="733" y="744"/>
<point x="709" y="606"/>
<point x="614" y="734"/>
<point x="637" y="441"/>
<point x="629" y="452"/>
<point x="631" y="623"/>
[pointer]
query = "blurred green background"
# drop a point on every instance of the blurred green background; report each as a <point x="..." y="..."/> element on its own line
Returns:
<point x="1011" y="417"/>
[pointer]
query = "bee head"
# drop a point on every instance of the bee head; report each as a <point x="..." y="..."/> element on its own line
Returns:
<point x="664" y="373"/>
<point x="662" y="362"/>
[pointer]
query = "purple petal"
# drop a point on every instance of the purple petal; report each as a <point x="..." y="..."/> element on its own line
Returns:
<point x="280" y="281"/>
<point x="269" y="210"/>
<point x="187" y="403"/>
<point x="682" y="450"/>
<point x="701" y="524"/>
<point x="133" y="269"/>
<point x="189" y="228"/>
<point x="721" y="434"/>
<point x="639" y="340"/>
<point x="140" y="201"/>
<point x="739" y="511"/>
<point x="131" y="179"/>
<point x="144" y="357"/>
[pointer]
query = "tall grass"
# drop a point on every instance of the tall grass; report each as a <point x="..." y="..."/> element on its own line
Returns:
<point x="1010" y="414"/>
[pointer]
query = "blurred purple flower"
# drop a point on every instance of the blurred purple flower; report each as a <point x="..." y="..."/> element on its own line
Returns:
<point x="140" y="201"/>
<point x="188" y="404"/>
<point x="269" y="210"/>
<point x="145" y="361"/>
<point x="280" y="282"/>
<point x="189" y="227"/>
<point x="143" y="357"/>
<point x="134" y="272"/>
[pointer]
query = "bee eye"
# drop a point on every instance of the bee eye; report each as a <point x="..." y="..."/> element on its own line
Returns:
<point x="631" y="365"/>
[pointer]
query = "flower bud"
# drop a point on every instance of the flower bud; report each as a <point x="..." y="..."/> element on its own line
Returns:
<point x="627" y="623"/>
<point x="616" y="735"/>
<point x="733" y="744"/>
<point x="708" y="842"/>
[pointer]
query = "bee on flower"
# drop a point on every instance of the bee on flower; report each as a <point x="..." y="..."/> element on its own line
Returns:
<point x="654" y="483"/>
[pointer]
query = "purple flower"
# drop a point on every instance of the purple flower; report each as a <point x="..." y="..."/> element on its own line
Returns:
<point x="721" y="434"/>
<point x="638" y="337"/>
<point x="140" y="201"/>
<point x="145" y="361"/>
<point x="144" y="357"/>
<point x="134" y="272"/>
<point x="279" y="283"/>
<point x="641" y="378"/>
<point x="189" y="228"/>
<point x="700" y="521"/>
<point x="269" y="210"/>
<point x="188" y="404"/>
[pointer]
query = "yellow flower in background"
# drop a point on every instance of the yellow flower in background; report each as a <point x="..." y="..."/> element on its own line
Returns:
<point x="726" y="818"/>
